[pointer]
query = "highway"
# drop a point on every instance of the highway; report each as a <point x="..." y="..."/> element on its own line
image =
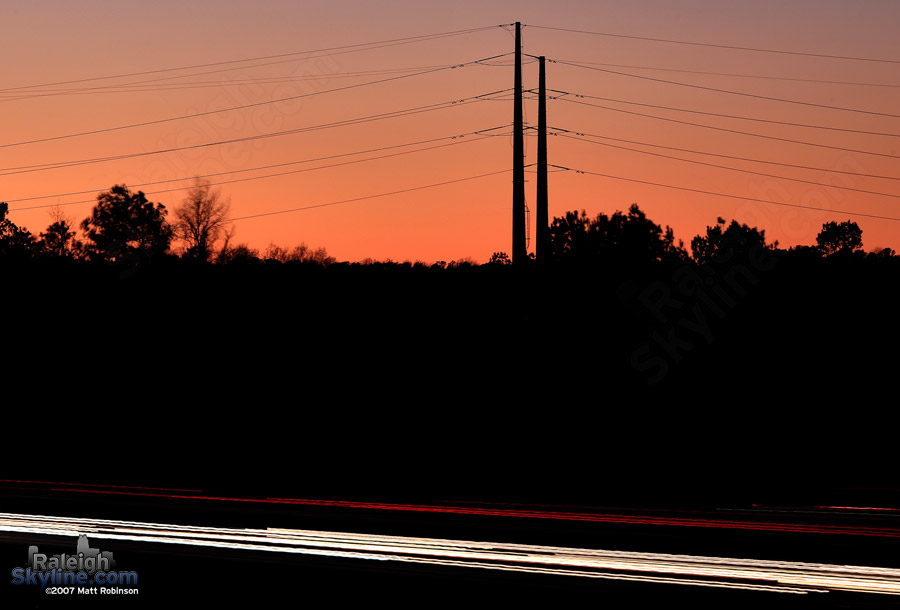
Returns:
<point x="269" y="549"/>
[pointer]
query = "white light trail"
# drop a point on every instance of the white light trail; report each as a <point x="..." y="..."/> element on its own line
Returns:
<point x="750" y="574"/>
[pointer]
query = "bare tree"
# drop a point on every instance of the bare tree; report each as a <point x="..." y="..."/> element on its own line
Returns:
<point x="59" y="239"/>
<point x="201" y="220"/>
<point x="298" y="254"/>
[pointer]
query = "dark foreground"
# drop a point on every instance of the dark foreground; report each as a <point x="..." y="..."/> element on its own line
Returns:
<point x="550" y="384"/>
<point x="486" y="386"/>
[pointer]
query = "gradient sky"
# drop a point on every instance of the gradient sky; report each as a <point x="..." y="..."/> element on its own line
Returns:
<point x="51" y="41"/>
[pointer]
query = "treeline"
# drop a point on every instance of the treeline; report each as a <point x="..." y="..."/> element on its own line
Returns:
<point x="126" y="226"/>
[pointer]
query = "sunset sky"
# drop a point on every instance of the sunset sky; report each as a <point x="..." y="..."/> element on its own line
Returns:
<point x="50" y="43"/>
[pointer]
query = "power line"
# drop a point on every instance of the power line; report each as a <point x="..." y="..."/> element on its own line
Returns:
<point x="692" y="190"/>
<point x="176" y="77"/>
<point x="700" y="152"/>
<point x="175" y="86"/>
<point x="734" y="169"/>
<point x="360" y="46"/>
<point x="723" y="46"/>
<point x="244" y="106"/>
<point x="727" y="116"/>
<point x="415" y="188"/>
<point x="729" y="91"/>
<point x="460" y="137"/>
<point x="357" y="121"/>
<point x="745" y="133"/>
<point x="347" y="122"/>
<point x="145" y="86"/>
<point x="759" y="76"/>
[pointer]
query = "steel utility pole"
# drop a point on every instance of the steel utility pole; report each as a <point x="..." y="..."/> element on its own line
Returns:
<point x="519" y="252"/>
<point x="542" y="247"/>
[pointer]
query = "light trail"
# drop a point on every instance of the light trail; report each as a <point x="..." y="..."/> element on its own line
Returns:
<point x="631" y="519"/>
<point x="748" y="574"/>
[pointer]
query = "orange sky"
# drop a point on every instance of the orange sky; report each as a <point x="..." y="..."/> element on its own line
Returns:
<point x="59" y="41"/>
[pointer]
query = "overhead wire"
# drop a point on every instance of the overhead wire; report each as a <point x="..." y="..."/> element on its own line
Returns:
<point x="142" y="87"/>
<point x="704" y="192"/>
<point x="734" y="169"/>
<point x="721" y="46"/>
<point x="728" y="91"/>
<point x="724" y="156"/>
<point x="366" y="119"/>
<point x="244" y="106"/>
<point x="360" y="46"/>
<point x="724" y="129"/>
<point x="737" y="75"/>
<point x="354" y="199"/>
<point x="461" y="139"/>
<point x="725" y="116"/>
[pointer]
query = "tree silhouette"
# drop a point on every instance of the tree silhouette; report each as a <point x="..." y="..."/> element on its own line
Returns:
<point x="844" y="237"/>
<point x="723" y="242"/>
<point x="201" y="220"/>
<point x="631" y="237"/>
<point x="500" y="258"/>
<point x="568" y="235"/>
<point x="59" y="239"/>
<point x="124" y="223"/>
<point x="15" y="242"/>
<point x="241" y="253"/>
